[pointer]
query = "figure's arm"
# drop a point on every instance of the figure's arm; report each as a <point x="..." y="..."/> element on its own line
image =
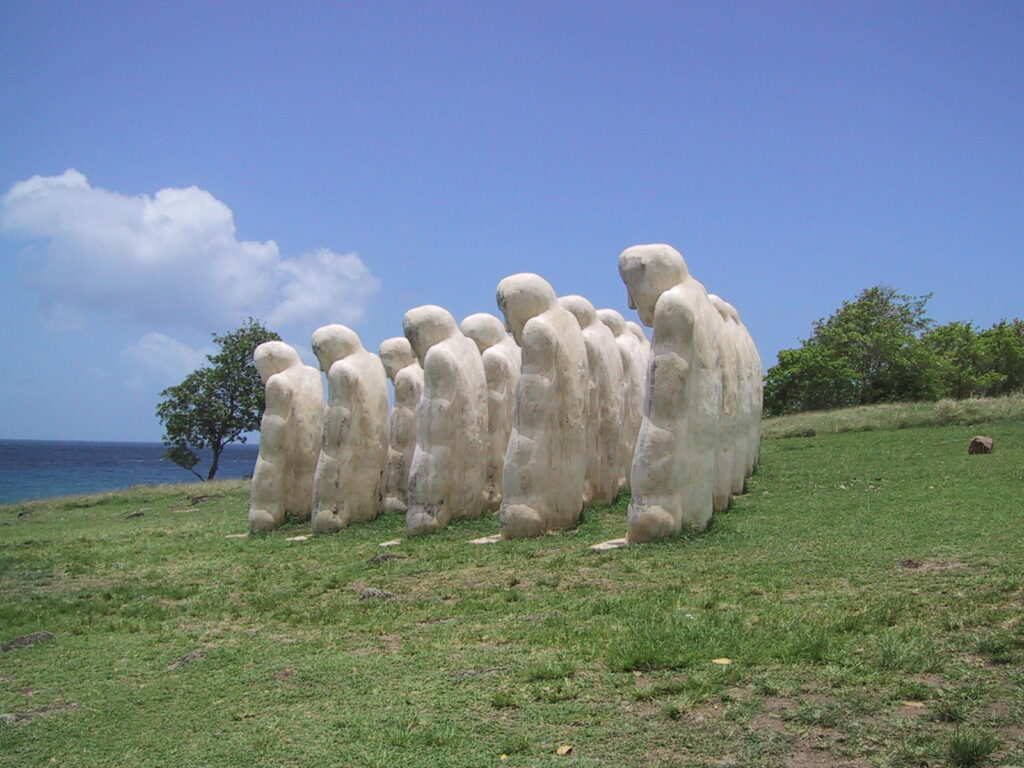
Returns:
<point x="274" y="425"/>
<point x="535" y="396"/>
<point x="342" y="383"/>
<point x="439" y="382"/>
<point x="671" y="359"/>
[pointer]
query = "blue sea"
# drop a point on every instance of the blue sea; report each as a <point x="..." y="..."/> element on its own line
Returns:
<point x="36" y="469"/>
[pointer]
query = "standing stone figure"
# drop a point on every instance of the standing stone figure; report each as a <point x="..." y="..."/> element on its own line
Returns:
<point x="755" y="385"/>
<point x="674" y="466"/>
<point x="449" y="465"/>
<point x="545" y="464"/>
<point x="502" y="360"/>
<point x="605" y="404"/>
<point x="641" y="337"/>
<point x="634" y="357"/>
<point x="406" y="375"/>
<point x="350" y="473"/>
<point x="730" y="461"/>
<point x="282" y="482"/>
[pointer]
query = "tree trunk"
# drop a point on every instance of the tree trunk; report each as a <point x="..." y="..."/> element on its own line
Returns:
<point x="214" y="462"/>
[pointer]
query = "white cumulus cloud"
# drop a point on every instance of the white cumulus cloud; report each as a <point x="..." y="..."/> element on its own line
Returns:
<point x="158" y="361"/>
<point x="170" y="259"/>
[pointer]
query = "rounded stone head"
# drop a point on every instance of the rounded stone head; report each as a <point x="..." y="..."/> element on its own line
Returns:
<point x="484" y="329"/>
<point x="637" y="331"/>
<point x="521" y="298"/>
<point x="272" y="357"/>
<point x="614" y="320"/>
<point x="332" y="343"/>
<point x="725" y="309"/>
<point x="396" y="353"/>
<point x="648" y="271"/>
<point x="426" y="326"/>
<point x="581" y="309"/>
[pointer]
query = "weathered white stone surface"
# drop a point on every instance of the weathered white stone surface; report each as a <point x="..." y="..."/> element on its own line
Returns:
<point x="449" y="465"/>
<point x="502" y="360"/>
<point x="282" y="482"/>
<point x="730" y="461"/>
<point x="406" y="375"/>
<point x="674" y="465"/>
<point x="545" y="465"/>
<point x="635" y="356"/>
<point x="755" y="386"/>
<point x="605" y="404"/>
<point x="353" y="458"/>
<point x="637" y="331"/>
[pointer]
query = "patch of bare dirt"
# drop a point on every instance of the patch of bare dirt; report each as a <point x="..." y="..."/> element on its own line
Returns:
<point x="32" y="714"/>
<point x="26" y="641"/>
<point x="284" y="674"/>
<point x="188" y="658"/>
<point x="931" y="565"/>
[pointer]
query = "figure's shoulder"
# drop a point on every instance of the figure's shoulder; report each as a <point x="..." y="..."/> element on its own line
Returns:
<point x="279" y="388"/>
<point x="674" y="305"/>
<point x="343" y="372"/>
<point x="440" y="361"/>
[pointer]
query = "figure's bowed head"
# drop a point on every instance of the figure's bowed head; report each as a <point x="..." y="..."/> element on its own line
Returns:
<point x="484" y="329"/>
<point x="580" y="308"/>
<point x="648" y="271"/>
<point x="521" y="298"/>
<point x="272" y="357"/>
<point x="332" y="343"/>
<point x="614" y="320"/>
<point x="426" y="326"/>
<point x="396" y="353"/>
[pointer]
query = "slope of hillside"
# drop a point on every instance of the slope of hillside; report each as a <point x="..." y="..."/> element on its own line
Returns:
<point x="861" y="605"/>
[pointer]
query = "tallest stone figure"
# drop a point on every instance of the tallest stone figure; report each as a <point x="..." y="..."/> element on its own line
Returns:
<point x="674" y="466"/>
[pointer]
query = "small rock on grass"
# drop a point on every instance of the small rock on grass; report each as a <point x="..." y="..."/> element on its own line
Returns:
<point x="981" y="444"/>
<point x="487" y="539"/>
<point x="392" y="543"/>
<point x="372" y="593"/>
<point x="610" y="544"/>
<point x="26" y="640"/>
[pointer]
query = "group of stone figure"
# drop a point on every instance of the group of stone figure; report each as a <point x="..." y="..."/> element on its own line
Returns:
<point x="569" y="410"/>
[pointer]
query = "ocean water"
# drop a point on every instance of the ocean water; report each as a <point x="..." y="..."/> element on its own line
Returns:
<point x="36" y="469"/>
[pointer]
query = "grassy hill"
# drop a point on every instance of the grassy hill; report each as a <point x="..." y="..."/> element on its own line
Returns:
<point x="866" y="593"/>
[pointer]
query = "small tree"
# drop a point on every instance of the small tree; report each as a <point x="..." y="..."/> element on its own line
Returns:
<point x="217" y="404"/>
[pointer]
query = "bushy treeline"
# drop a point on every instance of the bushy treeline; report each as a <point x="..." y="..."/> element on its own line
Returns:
<point x="881" y="347"/>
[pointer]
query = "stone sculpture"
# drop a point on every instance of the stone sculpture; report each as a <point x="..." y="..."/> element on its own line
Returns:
<point x="749" y="391"/>
<point x="545" y="465"/>
<point x="406" y="375"/>
<point x="755" y="385"/>
<point x="674" y="465"/>
<point x="502" y="360"/>
<point x="605" y="404"/>
<point x="446" y="480"/>
<point x="350" y="474"/>
<point x="641" y="337"/>
<point x="730" y="461"/>
<point x="282" y="482"/>
<point x="634" y="355"/>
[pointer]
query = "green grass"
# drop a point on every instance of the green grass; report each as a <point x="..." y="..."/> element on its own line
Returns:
<point x="867" y="592"/>
<point x="965" y="413"/>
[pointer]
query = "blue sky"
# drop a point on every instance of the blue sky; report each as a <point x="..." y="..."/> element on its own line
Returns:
<point x="318" y="162"/>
